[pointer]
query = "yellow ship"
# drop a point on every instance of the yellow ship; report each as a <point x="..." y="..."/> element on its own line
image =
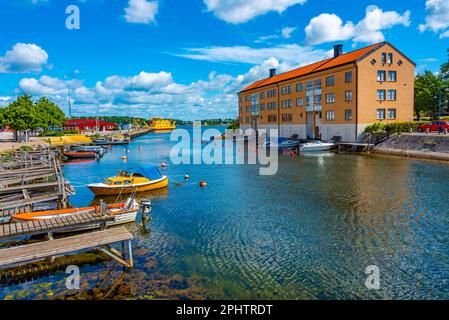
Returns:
<point x="134" y="180"/>
<point x="159" y="124"/>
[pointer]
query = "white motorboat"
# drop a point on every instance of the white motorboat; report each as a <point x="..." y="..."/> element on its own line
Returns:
<point x="97" y="149"/>
<point x="288" y="144"/>
<point x="315" y="146"/>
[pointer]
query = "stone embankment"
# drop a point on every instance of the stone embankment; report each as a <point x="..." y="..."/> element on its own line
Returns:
<point x="427" y="146"/>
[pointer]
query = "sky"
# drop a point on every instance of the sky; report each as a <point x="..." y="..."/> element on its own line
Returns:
<point x="187" y="59"/>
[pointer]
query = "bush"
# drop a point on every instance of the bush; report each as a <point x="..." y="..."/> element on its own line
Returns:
<point x="71" y="132"/>
<point x="26" y="148"/>
<point x="397" y="127"/>
<point x="51" y="133"/>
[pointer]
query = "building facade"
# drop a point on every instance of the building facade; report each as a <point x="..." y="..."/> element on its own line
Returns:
<point x="89" y="125"/>
<point x="336" y="97"/>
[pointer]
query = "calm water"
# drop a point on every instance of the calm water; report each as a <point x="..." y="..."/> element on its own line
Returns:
<point x="308" y="232"/>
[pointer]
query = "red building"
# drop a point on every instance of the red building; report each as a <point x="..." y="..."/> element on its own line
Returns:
<point x="89" y="125"/>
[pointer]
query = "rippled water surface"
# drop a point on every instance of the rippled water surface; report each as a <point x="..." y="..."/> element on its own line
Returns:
<point x="308" y="232"/>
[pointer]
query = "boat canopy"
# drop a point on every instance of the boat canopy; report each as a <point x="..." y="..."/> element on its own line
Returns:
<point x="150" y="172"/>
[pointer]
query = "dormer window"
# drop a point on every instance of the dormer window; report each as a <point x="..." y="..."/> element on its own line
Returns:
<point x="400" y="62"/>
<point x="373" y="62"/>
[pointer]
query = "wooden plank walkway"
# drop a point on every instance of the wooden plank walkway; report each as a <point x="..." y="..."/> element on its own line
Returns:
<point x="53" y="225"/>
<point x="41" y="250"/>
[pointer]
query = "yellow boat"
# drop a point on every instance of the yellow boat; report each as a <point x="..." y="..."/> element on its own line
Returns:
<point x="159" y="124"/>
<point x="135" y="180"/>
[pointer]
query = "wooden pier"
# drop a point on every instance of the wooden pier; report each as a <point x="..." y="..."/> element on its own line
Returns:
<point x="30" y="178"/>
<point x="41" y="250"/>
<point x="343" y="147"/>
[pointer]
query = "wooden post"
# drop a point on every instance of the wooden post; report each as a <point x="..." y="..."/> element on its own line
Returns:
<point x="130" y="253"/>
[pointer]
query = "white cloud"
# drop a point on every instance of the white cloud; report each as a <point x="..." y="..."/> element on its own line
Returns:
<point x="152" y="94"/>
<point x="330" y="27"/>
<point x="141" y="11"/>
<point x="23" y="58"/>
<point x="437" y="18"/>
<point x="291" y="53"/>
<point x="444" y="35"/>
<point x="287" y="32"/>
<point x="240" y="11"/>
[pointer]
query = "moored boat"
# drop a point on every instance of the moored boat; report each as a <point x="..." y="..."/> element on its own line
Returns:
<point x="98" y="149"/>
<point x="159" y="124"/>
<point x="288" y="144"/>
<point x="315" y="146"/>
<point x="122" y="213"/>
<point x="134" y="180"/>
<point x="81" y="155"/>
<point x="110" y="141"/>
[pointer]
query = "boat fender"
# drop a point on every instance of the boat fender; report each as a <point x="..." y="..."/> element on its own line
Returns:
<point x="186" y="177"/>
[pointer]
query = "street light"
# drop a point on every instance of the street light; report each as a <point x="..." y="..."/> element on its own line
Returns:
<point x="440" y="102"/>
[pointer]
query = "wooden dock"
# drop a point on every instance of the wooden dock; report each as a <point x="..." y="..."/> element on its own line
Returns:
<point x="30" y="178"/>
<point x="51" y="248"/>
<point x="342" y="147"/>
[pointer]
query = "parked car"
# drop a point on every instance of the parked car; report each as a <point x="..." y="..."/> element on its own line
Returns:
<point x="434" y="126"/>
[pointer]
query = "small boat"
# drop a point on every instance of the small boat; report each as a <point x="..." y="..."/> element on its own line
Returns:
<point x="122" y="213"/>
<point x="98" y="149"/>
<point x="4" y="220"/>
<point x="110" y="141"/>
<point x="315" y="146"/>
<point x="288" y="144"/>
<point x="81" y="155"/>
<point x="134" y="180"/>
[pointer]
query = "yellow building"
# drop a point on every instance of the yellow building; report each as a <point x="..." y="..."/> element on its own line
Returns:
<point x="339" y="96"/>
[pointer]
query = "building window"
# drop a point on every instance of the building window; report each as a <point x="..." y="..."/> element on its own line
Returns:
<point x="247" y="98"/>
<point x="241" y="99"/>
<point x="380" y="95"/>
<point x="330" y="115"/>
<point x="317" y="84"/>
<point x="287" y="104"/>
<point x="348" y="96"/>
<point x="299" y="87"/>
<point x="391" y="95"/>
<point x="330" y="81"/>
<point x="247" y="109"/>
<point x="262" y="95"/>
<point x="271" y="105"/>
<point x="286" y="90"/>
<point x="348" y="77"/>
<point x="241" y="109"/>
<point x="247" y="119"/>
<point x="392" y="75"/>
<point x="381" y="75"/>
<point x="384" y="58"/>
<point x="400" y="62"/>
<point x="287" y="117"/>
<point x="299" y="102"/>
<point x="271" y="93"/>
<point x="380" y="114"/>
<point x="391" y="114"/>
<point x="373" y="62"/>
<point x="348" y="114"/>
<point x="262" y="106"/>
<point x="317" y="100"/>
<point x="390" y="59"/>
<point x="272" y="118"/>
<point x="330" y="98"/>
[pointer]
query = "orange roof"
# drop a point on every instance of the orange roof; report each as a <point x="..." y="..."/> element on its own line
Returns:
<point x="317" y="66"/>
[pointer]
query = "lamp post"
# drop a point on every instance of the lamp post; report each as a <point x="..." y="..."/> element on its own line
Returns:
<point x="440" y="104"/>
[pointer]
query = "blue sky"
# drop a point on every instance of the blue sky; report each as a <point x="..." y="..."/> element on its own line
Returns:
<point x="188" y="59"/>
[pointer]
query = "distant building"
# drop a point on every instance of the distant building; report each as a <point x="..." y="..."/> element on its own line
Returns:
<point x="89" y="125"/>
<point x="339" y="96"/>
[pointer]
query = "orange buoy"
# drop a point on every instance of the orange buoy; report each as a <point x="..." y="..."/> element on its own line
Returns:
<point x="203" y="183"/>
<point x="125" y="158"/>
<point x="163" y="165"/>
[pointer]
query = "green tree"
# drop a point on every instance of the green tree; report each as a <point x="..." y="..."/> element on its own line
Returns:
<point x="50" y="115"/>
<point x="426" y="93"/>
<point x="21" y="115"/>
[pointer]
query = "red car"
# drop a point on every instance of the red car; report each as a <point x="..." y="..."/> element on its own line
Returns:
<point x="434" y="126"/>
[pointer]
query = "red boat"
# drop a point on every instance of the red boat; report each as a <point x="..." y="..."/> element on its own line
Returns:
<point x="81" y="155"/>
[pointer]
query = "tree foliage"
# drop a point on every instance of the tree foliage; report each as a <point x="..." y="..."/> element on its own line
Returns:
<point x="427" y="85"/>
<point x="23" y="114"/>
